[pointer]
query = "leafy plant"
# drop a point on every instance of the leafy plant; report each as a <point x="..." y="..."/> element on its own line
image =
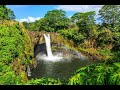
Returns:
<point x="44" y="81"/>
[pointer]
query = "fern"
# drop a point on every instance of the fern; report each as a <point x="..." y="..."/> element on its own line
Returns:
<point x="44" y="81"/>
<point x="117" y="64"/>
<point x="78" y="79"/>
<point x="114" y="79"/>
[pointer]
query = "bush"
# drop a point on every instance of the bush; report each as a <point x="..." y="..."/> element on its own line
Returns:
<point x="15" y="47"/>
<point x="9" y="78"/>
<point x="71" y="34"/>
<point x="11" y="43"/>
<point x="98" y="74"/>
<point x="44" y="81"/>
<point x="105" y="52"/>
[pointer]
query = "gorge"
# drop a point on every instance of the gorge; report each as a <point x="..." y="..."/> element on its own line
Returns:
<point x="58" y="65"/>
<point x="57" y="49"/>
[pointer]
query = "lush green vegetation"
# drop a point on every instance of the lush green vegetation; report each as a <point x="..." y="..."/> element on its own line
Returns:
<point x="99" y="40"/>
<point x="15" y="52"/>
<point x="15" y="49"/>
<point x="44" y="81"/>
<point x="99" y="74"/>
<point x="6" y="13"/>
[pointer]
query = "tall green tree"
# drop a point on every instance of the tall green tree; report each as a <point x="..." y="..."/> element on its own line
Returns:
<point x="110" y="15"/>
<point x="85" y="22"/>
<point x="55" y="20"/>
<point x="6" y="13"/>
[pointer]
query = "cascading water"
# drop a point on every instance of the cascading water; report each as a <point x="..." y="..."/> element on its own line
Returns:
<point x="50" y="56"/>
<point x="48" y="45"/>
<point x="59" y="64"/>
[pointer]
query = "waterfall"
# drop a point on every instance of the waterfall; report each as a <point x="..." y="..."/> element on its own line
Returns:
<point x="28" y="70"/>
<point x="48" y="45"/>
<point x="50" y="56"/>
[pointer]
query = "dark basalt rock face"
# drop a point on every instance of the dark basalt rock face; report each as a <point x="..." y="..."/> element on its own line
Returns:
<point x="40" y="48"/>
<point x="38" y="38"/>
<point x="57" y="42"/>
<point x="38" y="42"/>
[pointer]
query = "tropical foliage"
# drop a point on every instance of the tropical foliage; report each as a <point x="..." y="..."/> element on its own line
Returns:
<point x="6" y="13"/>
<point x="100" y="40"/>
<point x="44" y="81"/>
<point x="15" y="50"/>
<point x="101" y="74"/>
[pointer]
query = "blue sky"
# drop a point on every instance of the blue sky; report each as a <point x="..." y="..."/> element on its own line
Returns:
<point x="30" y="13"/>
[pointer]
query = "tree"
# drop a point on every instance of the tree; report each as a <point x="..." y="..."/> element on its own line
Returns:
<point x="110" y="15"/>
<point x="85" y="22"/>
<point x="105" y="37"/>
<point x="11" y="15"/>
<point x="6" y="13"/>
<point x="55" y="20"/>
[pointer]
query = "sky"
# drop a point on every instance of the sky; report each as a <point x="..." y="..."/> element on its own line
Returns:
<point x="30" y="13"/>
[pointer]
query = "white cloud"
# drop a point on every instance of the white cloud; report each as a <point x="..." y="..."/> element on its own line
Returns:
<point x="80" y="8"/>
<point x="29" y="19"/>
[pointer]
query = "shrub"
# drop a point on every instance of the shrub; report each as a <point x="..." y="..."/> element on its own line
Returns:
<point x="44" y="81"/>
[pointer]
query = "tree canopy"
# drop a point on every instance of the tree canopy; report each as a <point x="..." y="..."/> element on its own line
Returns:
<point x="6" y="13"/>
